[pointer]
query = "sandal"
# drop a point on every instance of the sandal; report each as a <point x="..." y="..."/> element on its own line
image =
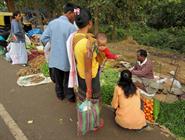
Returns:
<point x="100" y="126"/>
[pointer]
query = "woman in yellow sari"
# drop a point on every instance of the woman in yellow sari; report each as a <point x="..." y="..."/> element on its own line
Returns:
<point x="85" y="56"/>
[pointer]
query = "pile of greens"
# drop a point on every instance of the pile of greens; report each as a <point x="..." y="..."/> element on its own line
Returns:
<point x="45" y="69"/>
<point x="109" y="78"/>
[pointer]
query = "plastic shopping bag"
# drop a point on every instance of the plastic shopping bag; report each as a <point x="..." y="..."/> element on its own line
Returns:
<point x="88" y="115"/>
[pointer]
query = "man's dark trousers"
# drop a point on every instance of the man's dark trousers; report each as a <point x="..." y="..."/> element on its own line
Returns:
<point x="60" y="78"/>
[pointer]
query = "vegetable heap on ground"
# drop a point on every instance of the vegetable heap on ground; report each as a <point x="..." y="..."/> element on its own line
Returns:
<point x="151" y="109"/>
<point x="109" y="78"/>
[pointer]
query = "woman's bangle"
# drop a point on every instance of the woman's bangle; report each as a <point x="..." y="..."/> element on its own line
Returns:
<point x="89" y="90"/>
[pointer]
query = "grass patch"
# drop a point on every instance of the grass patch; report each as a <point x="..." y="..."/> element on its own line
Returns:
<point x="173" y="117"/>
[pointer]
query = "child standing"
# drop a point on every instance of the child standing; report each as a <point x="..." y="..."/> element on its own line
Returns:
<point x="126" y="100"/>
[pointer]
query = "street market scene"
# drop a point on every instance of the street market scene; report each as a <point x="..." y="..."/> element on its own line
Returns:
<point x="97" y="69"/>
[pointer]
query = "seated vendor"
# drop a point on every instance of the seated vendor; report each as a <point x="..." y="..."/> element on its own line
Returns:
<point x="143" y="70"/>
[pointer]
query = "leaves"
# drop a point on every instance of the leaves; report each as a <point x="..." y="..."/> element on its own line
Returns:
<point x="171" y="38"/>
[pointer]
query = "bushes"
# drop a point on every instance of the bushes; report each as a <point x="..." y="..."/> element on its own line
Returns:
<point x="177" y="41"/>
<point x="108" y="30"/>
<point x="171" y="38"/>
<point x="165" y="15"/>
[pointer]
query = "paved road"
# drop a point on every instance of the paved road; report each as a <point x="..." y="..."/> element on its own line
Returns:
<point x="52" y="119"/>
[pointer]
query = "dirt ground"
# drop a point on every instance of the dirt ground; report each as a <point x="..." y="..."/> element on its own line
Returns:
<point x="164" y="61"/>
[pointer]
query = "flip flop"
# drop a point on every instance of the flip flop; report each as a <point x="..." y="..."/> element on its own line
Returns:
<point x="100" y="126"/>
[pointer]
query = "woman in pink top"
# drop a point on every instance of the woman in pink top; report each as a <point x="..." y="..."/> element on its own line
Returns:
<point x="126" y="101"/>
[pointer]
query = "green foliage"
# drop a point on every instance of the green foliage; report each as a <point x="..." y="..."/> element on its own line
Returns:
<point x="45" y="69"/>
<point x="108" y="29"/>
<point x="177" y="39"/>
<point x="167" y="14"/>
<point x="2" y="6"/>
<point x="109" y="78"/>
<point x="116" y="18"/>
<point x="171" y="38"/>
<point x="113" y="16"/>
<point x="173" y="117"/>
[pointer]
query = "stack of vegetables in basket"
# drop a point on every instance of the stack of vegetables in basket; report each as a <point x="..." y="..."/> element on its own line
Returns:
<point x="151" y="109"/>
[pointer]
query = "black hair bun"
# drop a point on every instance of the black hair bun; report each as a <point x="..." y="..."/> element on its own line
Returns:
<point x="83" y="18"/>
<point x="125" y="76"/>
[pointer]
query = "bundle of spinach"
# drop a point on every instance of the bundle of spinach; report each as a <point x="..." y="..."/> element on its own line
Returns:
<point x="173" y="117"/>
<point x="45" y="69"/>
<point x="108" y="78"/>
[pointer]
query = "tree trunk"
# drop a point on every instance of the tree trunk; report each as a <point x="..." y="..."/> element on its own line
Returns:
<point x="114" y="31"/>
<point x="10" y="5"/>
<point x="96" y="20"/>
<point x="39" y="19"/>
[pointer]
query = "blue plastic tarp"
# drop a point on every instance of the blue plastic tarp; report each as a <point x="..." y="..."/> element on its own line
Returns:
<point x="34" y="31"/>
